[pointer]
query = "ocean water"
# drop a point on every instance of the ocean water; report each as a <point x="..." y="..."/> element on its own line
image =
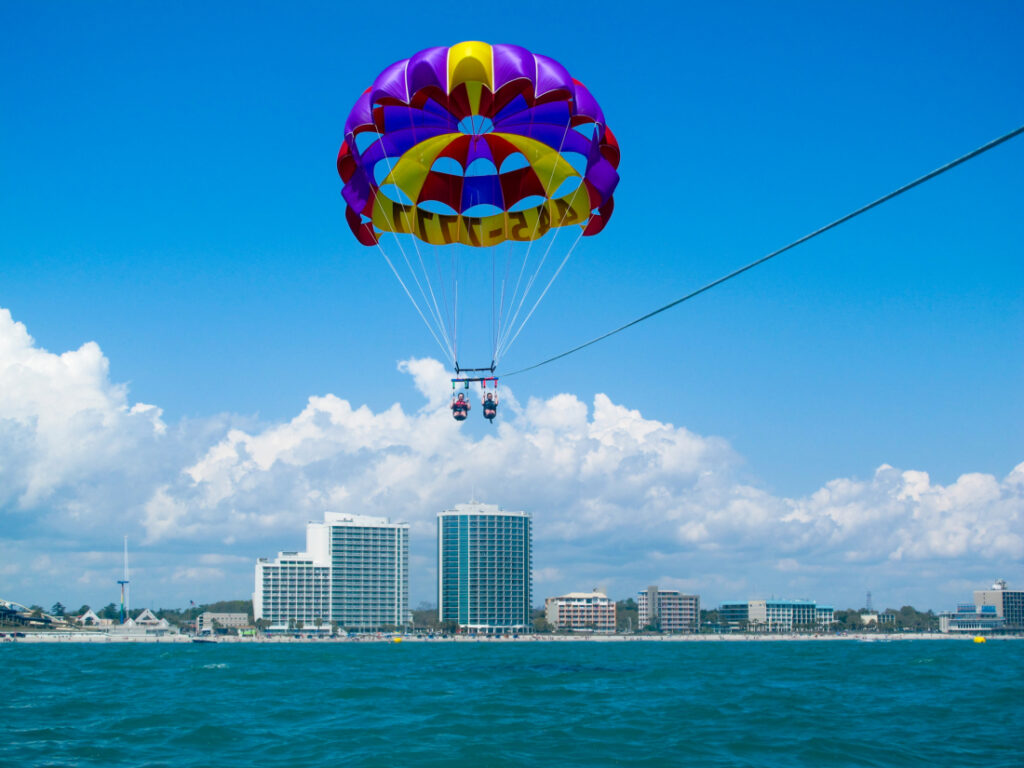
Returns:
<point x="908" y="703"/>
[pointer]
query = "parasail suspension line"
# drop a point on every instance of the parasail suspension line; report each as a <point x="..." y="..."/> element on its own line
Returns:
<point x="526" y="319"/>
<point x="533" y="235"/>
<point x="417" y="306"/>
<point x="821" y="230"/>
<point x="506" y="342"/>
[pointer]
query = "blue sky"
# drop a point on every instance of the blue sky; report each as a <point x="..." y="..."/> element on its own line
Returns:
<point x="169" y="193"/>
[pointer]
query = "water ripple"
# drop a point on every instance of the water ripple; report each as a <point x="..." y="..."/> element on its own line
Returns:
<point x="510" y="704"/>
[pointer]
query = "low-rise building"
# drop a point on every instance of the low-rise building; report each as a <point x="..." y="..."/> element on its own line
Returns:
<point x="825" y="616"/>
<point x="971" y="618"/>
<point x="733" y="616"/>
<point x="210" y="622"/>
<point x="89" y="619"/>
<point x="787" y="615"/>
<point x="9" y="614"/>
<point x="668" y="610"/>
<point x="145" y="624"/>
<point x="581" y="611"/>
<point x="775" y="615"/>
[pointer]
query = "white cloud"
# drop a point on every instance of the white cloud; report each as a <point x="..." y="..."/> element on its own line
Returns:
<point x="197" y="575"/>
<point x="214" y="558"/>
<point x="617" y="498"/>
<point x="63" y="424"/>
<point x="546" y="575"/>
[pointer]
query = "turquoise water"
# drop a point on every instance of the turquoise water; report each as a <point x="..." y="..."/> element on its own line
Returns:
<point x="912" y="703"/>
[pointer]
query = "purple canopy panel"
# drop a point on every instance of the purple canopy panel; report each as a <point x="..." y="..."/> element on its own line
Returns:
<point x="604" y="177"/>
<point x="594" y="153"/>
<point x="432" y="107"/>
<point x="427" y="68"/>
<point x="551" y="113"/>
<point x="551" y="75"/>
<point x="361" y="114"/>
<point x="402" y="118"/>
<point x="478" y="147"/>
<point x="512" y="62"/>
<point x="586" y="104"/>
<point x="391" y="83"/>
<point x="357" y="192"/>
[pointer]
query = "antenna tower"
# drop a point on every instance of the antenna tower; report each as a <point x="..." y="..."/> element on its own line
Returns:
<point x="124" y="585"/>
<point x="868" y="602"/>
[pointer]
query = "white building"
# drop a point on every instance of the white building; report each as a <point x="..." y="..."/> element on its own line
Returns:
<point x="294" y="589"/>
<point x="787" y="615"/>
<point x="146" y="623"/>
<point x="825" y="616"/>
<point x="587" y="611"/>
<point x="355" y="572"/>
<point x="668" y="610"/>
<point x="90" y="619"/>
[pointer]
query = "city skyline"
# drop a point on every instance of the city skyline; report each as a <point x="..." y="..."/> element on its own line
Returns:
<point x="320" y="544"/>
<point x="196" y="354"/>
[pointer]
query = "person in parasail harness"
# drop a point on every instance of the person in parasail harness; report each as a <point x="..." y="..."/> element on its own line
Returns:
<point x="490" y="404"/>
<point x="460" y="407"/>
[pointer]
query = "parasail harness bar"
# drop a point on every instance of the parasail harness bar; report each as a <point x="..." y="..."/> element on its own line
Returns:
<point x="459" y="370"/>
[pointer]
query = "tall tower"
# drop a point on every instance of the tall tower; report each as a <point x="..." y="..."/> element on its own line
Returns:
<point x="867" y="602"/>
<point x="484" y="575"/>
<point x="124" y="585"/>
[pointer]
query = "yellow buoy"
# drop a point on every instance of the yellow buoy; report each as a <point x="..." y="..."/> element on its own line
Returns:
<point x="398" y="640"/>
<point x="979" y="639"/>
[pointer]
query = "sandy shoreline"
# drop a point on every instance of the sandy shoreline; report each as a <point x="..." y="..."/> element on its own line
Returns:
<point x="99" y="637"/>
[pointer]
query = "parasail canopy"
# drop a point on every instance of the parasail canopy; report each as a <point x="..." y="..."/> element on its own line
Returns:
<point x="476" y="144"/>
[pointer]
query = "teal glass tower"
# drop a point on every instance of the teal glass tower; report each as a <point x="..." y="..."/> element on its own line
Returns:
<point x="484" y="575"/>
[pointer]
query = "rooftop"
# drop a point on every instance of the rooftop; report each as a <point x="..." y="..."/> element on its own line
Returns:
<point x="477" y="508"/>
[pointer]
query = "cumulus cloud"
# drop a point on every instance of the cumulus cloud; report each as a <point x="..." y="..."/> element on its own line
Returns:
<point x="61" y="419"/>
<point x="618" y="498"/>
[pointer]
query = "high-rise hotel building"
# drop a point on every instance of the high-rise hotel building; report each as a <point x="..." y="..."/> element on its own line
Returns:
<point x="484" y="581"/>
<point x="355" y="571"/>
